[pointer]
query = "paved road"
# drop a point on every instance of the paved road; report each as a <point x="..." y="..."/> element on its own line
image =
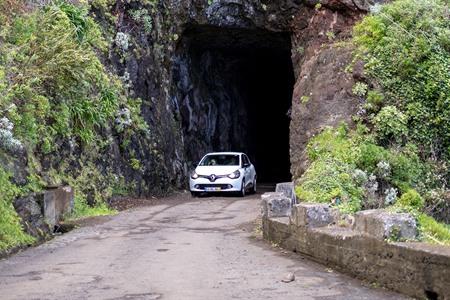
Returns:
<point x="181" y="249"/>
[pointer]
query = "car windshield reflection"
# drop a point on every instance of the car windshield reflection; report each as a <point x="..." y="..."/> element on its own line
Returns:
<point x="220" y="160"/>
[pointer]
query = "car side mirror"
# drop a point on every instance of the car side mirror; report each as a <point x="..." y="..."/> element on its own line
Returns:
<point x="195" y="165"/>
<point x="246" y="165"/>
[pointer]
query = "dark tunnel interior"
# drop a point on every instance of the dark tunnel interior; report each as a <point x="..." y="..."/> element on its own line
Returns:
<point x="234" y="94"/>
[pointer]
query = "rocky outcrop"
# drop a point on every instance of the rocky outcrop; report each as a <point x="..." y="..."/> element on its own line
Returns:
<point x="322" y="97"/>
<point x="188" y="61"/>
<point x="322" y="93"/>
<point x="188" y="69"/>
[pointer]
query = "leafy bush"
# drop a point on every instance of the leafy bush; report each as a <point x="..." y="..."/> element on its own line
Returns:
<point x="360" y="89"/>
<point x="411" y="199"/>
<point x="375" y="100"/>
<point x="347" y="169"/>
<point x="57" y="97"/>
<point x="54" y="67"/>
<point x="405" y="45"/>
<point x="11" y="232"/>
<point x="390" y="124"/>
<point x="330" y="181"/>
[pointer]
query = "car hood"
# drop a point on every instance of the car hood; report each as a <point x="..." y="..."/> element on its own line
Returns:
<point x="216" y="170"/>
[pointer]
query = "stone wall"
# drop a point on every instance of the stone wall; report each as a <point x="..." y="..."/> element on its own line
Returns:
<point x="416" y="269"/>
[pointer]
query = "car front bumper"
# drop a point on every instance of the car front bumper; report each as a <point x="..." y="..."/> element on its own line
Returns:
<point x="219" y="185"/>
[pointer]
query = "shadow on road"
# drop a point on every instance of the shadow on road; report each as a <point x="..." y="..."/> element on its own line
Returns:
<point x="261" y="189"/>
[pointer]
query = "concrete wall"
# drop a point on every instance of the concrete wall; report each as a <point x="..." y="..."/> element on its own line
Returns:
<point x="415" y="269"/>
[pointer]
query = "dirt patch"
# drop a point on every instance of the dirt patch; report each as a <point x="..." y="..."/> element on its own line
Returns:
<point x="125" y="203"/>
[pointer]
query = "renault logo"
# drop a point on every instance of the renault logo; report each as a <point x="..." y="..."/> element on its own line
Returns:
<point x="212" y="178"/>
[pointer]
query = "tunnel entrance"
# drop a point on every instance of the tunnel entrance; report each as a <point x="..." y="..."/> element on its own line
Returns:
<point x="234" y="91"/>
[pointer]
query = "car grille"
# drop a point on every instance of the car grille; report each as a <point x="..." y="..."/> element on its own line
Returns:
<point x="221" y="186"/>
<point x="212" y="177"/>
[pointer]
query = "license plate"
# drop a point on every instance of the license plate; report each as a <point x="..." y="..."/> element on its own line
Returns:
<point x="212" y="189"/>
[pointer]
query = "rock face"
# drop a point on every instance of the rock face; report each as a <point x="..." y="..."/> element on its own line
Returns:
<point x="257" y="76"/>
<point x="30" y="211"/>
<point x="210" y="88"/>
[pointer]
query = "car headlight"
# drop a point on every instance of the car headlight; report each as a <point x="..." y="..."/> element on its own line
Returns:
<point x="194" y="175"/>
<point x="235" y="174"/>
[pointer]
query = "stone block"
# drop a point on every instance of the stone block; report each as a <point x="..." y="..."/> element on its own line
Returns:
<point x="386" y="225"/>
<point x="311" y="215"/>
<point x="288" y="189"/>
<point x="275" y="205"/>
<point x="57" y="202"/>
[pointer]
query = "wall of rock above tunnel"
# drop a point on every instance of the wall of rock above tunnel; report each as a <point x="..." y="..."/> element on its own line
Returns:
<point x="183" y="111"/>
<point x="321" y="92"/>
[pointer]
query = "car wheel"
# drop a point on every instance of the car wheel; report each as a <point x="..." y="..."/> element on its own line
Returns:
<point x="254" y="186"/>
<point x="243" y="191"/>
<point x="194" y="194"/>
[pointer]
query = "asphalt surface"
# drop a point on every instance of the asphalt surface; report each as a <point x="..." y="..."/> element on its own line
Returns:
<point x="182" y="248"/>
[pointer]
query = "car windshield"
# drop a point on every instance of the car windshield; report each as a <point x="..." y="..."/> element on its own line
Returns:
<point x="220" y="160"/>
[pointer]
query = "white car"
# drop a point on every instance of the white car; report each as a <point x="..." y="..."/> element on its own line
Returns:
<point x="223" y="172"/>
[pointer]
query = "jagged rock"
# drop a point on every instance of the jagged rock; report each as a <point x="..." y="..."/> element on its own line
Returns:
<point x="386" y="225"/>
<point x="275" y="205"/>
<point x="30" y="211"/>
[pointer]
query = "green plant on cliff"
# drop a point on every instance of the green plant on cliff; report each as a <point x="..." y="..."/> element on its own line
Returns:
<point x="11" y="233"/>
<point x="430" y="230"/>
<point x="350" y="171"/>
<point x="57" y="97"/>
<point x="329" y="177"/>
<point x="406" y="49"/>
<point x="400" y="158"/>
<point x="57" y="83"/>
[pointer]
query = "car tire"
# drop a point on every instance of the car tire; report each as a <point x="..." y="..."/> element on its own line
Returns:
<point x="194" y="194"/>
<point x="254" y="186"/>
<point x="243" y="191"/>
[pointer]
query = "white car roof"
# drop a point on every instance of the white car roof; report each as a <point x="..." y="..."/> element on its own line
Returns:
<point x="224" y="153"/>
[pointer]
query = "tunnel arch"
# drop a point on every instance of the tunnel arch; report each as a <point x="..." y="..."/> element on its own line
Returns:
<point x="234" y="92"/>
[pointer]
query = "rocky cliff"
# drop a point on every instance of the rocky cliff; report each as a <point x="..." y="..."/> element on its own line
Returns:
<point x="257" y="76"/>
<point x="225" y="72"/>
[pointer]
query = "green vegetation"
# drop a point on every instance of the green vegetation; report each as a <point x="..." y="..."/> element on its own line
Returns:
<point x="433" y="231"/>
<point x="58" y="102"/>
<point x="11" y="234"/>
<point x="411" y="199"/>
<point x="350" y="171"/>
<point x="50" y="60"/>
<point x="398" y="157"/>
<point x="406" y="46"/>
